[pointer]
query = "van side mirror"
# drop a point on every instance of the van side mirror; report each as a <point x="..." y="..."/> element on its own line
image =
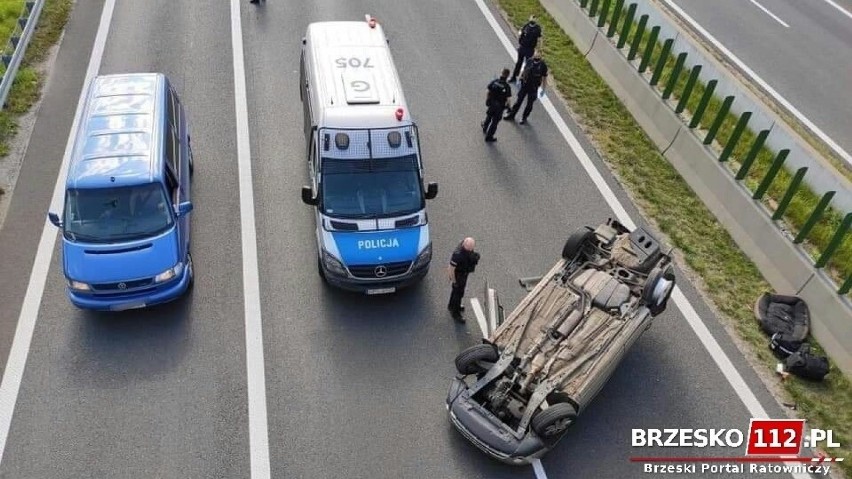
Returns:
<point x="431" y="191"/>
<point x="184" y="208"/>
<point x="54" y="218"/>
<point x="308" y="196"/>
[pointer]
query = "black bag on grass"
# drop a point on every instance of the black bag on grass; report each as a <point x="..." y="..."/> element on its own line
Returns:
<point x="806" y="365"/>
<point x="783" y="346"/>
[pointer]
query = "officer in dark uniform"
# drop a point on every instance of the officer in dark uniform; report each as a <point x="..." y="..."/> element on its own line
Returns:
<point x="527" y="41"/>
<point x="533" y="77"/>
<point x="462" y="263"/>
<point x="496" y="102"/>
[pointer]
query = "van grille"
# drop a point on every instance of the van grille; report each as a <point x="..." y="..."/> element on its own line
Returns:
<point x="369" y="270"/>
<point x="116" y="287"/>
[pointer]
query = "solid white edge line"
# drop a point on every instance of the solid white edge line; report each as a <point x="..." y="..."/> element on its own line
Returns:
<point x="538" y="468"/>
<point x="842" y="10"/>
<point x="17" y="361"/>
<point x="255" y="372"/>
<point x="713" y="348"/>
<point x="766" y="11"/>
<point x="760" y="81"/>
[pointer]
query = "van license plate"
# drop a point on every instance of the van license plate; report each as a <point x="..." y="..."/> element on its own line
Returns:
<point x="381" y="291"/>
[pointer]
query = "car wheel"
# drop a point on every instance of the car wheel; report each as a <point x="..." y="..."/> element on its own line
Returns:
<point x="574" y="243"/>
<point x="191" y="270"/>
<point x="552" y="422"/>
<point x="469" y="360"/>
<point x="320" y="271"/>
<point x="658" y="289"/>
<point x="191" y="163"/>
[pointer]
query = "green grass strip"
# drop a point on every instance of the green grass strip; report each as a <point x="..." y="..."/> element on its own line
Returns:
<point x="729" y="278"/>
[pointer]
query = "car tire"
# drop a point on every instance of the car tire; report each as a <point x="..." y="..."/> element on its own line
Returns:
<point x="656" y="301"/>
<point x="468" y="361"/>
<point x="552" y="422"/>
<point x="191" y="267"/>
<point x="320" y="271"/>
<point x="574" y="243"/>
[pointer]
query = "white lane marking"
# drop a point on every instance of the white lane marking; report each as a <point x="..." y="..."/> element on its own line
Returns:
<point x="538" y="469"/>
<point x="480" y="316"/>
<point x="766" y="11"/>
<point x="841" y="9"/>
<point x="724" y="363"/>
<point x="255" y="373"/>
<point x="760" y="81"/>
<point x="17" y="360"/>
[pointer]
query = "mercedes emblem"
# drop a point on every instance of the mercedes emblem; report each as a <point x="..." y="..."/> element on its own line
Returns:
<point x="381" y="271"/>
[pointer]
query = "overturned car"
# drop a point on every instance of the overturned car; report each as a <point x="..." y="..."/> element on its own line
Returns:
<point x="518" y="392"/>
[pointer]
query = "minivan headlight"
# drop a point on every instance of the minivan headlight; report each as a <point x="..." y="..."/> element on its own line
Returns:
<point x="78" y="285"/>
<point x="169" y="274"/>
<point x="424" y="257"/>
<point x="333" y="265"/>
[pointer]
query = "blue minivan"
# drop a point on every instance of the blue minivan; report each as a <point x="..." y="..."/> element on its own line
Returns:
<point x="125" y="225"/>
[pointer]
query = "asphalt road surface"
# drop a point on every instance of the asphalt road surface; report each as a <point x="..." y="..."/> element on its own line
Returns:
<point x="809" y="61"/>
<point x="354" y="385"/>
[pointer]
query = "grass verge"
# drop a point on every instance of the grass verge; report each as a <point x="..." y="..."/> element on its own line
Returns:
<point x="730" y="279"/>
<point x="26" y="89"/>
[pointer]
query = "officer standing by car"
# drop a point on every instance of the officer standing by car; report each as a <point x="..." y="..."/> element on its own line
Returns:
<point x="533" y="77"/>
<point x="462" y="263"/>
<point x="527" y="42"/>
<point x="496" y="102"/>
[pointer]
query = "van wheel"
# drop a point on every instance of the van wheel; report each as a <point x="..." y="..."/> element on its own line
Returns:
<point x="190" y="270"/>
<point x="320" y="271"/>
<point x="191" y="163"/>
<point x="469" y="360"/>
<point x="658" y="289"/>
<point x="574" y="243"/>
<point x="552" y="422"/>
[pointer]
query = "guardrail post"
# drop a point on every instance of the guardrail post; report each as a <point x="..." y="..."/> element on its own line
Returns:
<point x="661" y="62"/>
<point x="593" y="8"/>
<point x="835" y="241"/>
<point x="815" y="216"/>
<point x="771" y="174"/>
<point x="752" y="154"/>
<point x="604" y="13"/>
<point x="637" y="37"/>
<point x="649" y="49"/>
<point x="735" y="137"/>
<point x="670" y="85"/>
<point x="616" y="15"/>
<point x="846" y="286"/>
<point x="791" y="190"/>
<point x="625" y="29"/>
<point x="720" y="118"/>
<point x="583" y="3"/>
<point x="702" y="104"/>
<point x="687" y="90"/>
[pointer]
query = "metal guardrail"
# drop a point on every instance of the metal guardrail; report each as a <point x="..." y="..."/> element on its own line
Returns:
<point x="17" y="43"/>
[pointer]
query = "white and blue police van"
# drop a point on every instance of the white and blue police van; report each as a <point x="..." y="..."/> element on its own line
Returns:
<point x="364" y="161"/>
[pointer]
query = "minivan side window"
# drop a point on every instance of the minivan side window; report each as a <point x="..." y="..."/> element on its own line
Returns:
<point x="172" y="138"/>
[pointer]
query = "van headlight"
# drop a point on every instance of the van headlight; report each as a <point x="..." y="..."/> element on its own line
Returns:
<point x="333" y="265"/>
<point x="424" y="257"/>
<point x="78" y="285"/>
<point x="169" y="274"/>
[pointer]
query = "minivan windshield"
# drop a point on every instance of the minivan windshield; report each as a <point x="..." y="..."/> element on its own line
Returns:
<point x="105" y="215"/>
<point x="371" y="188"/>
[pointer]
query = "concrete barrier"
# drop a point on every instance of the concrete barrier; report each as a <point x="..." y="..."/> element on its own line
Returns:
<point x="783" y="264"/>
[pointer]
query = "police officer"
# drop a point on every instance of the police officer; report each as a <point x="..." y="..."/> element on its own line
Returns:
<point x="533" y="77"/>
<point x="527" y="41"/>
<point x="462" y="263"/>
<point x="496" y="102"/>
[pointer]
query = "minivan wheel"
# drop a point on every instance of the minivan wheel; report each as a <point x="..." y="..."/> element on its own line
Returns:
<point x="574" y="243"/>
<point x="469" y="360"/>
<point x="320" y="271"/>
<point x="191" y="164"/>
<point x="658" y="289"/>
<point x="552" y="422"/>
<point x="191" y="270"/>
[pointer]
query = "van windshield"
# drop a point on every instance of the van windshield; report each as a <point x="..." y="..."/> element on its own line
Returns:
<point x="104" y="215"/>
<point x="377" y="188"/>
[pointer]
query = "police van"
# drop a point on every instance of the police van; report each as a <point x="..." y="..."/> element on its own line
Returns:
<point x="364" y="161"/>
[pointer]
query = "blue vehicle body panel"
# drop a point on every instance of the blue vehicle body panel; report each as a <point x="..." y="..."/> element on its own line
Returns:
<point x="372" y="247"/>
<point x="97" y="263"/>
<point x="125" y="130"/>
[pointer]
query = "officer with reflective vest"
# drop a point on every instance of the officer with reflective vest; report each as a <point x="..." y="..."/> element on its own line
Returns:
<point x="527" y="42"/>
<point x="533" y="77"/>
<point x="496" y="102"/>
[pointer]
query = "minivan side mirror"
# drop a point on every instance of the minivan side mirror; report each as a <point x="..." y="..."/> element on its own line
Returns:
<point x="431" y="191"/>
<point x="54" y="218"/>
<point x="184" y="208"/>
<point x="308" y="196"/>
